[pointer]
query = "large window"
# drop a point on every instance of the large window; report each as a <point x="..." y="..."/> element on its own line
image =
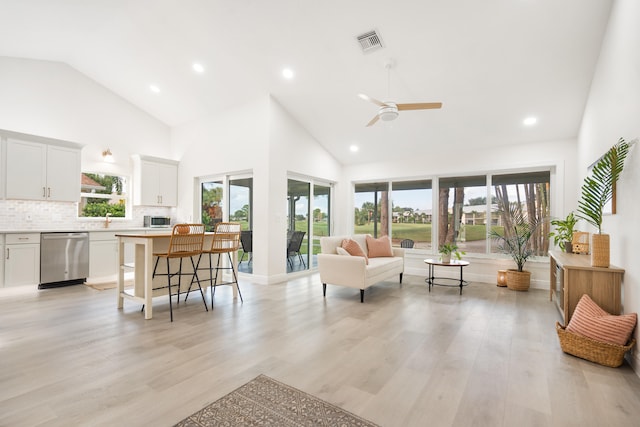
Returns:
<point x="371" y="203"/>
<point x="102" y="194"/>
<point x="529" y="192"/>
<point x="462" y="207"/>
<point x="411" y="214"/>
<point x="465" y="208"/>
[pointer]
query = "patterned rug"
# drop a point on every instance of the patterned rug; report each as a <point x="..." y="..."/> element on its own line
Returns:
<point x="264" y="401"/>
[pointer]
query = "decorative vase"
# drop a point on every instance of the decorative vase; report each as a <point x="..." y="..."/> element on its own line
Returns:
<point x="446" y="258"/>
<point x="518" y="280"/>
<point x="599" y="250"/>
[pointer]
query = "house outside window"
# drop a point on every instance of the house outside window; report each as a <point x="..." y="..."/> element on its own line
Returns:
<point x="102" y="194"/>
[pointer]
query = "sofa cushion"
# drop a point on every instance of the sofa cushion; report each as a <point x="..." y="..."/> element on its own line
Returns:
<point x="593" y="322"/>
<point x="362" y="241"/>
<point x="354" y="249"/>
<point x="381" y="265"/>
<point x="342" y="251"/>
<point x="379" y="247"/>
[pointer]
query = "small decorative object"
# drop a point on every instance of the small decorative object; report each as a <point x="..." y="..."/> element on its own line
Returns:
<point x="563" y="234"/>
<point x="515" y="241"/>
<point x="447" y="250"/>
<point x="598" y="190"/>
<point x="580" y="242"/>
<point x="502" y="278"/>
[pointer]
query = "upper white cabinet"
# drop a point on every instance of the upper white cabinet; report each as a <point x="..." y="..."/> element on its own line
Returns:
<point x="155" y="181"/>
<point x="37" y="168"/>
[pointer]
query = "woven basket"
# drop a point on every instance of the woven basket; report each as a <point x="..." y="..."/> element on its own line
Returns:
<point x="518" y="280"/>
<point x="595" y="351"/>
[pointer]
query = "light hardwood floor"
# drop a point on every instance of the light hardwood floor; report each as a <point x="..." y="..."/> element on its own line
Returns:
<point x="406" y="357"/>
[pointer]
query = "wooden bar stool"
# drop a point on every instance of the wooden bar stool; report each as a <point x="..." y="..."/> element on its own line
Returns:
<point x="225" y="240"/>
<point x="186" y="242"/>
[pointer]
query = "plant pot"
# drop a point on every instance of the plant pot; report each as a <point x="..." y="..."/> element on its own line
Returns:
<point x="518" y="280"/>
<point x="599" y="250"/>
<point x="446" y="258"/>
<point x="568" y="247"/>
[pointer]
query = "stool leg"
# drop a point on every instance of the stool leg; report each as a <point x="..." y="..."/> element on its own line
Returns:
<point x="235" y="277"/>
<point x="169" y="284"/>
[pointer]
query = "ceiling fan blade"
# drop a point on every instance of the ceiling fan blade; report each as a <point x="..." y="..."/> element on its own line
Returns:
<point x="420" y="106"/>
<point x="373" y="121"/>
<point x="375" y="101"/>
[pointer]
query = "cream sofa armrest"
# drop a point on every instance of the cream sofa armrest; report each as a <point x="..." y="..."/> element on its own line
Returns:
<point x="398" y="252"/>
<point x="342" y="270"/>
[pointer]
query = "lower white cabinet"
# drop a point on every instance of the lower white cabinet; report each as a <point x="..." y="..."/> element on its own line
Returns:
<point x="22" y="259"/>
<point x="103" y="254"/>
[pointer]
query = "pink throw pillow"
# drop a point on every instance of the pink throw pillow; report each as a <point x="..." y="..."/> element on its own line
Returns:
<point x="379" y="247"/>
<point x="354" y="249"/>
<point x="593" y="322"/>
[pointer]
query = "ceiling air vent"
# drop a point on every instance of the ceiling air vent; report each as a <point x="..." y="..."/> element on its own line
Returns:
<point x="370" y="41"/>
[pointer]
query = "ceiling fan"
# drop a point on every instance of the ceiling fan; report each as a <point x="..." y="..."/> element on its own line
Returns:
<point x="389" y="110"/>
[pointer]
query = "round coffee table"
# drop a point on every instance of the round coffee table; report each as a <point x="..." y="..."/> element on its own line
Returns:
<point x="454" y="263"/>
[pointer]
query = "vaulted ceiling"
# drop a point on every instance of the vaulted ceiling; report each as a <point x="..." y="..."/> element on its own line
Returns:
<point x="491" y="63"/>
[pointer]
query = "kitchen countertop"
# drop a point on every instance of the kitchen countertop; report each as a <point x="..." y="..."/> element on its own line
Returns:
<point x="111" y="229"/>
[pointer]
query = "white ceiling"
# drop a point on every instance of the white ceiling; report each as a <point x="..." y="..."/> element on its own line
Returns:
<point x="491" y="63"/>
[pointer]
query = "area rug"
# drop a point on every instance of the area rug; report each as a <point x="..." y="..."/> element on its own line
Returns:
<point x="108" y="285"/>
<point x="264" y="401"/>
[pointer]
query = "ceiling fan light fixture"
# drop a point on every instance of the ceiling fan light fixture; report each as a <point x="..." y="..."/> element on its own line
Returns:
<point x="388" y="113"/>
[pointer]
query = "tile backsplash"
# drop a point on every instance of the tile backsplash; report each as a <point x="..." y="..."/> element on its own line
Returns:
<point x="40" y="215"/>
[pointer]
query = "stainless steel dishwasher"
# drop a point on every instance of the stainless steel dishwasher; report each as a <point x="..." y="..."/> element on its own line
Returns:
<point x="64" y="258"/>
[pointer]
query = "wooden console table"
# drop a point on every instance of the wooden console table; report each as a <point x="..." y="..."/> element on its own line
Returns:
<point x="571" y="276"/>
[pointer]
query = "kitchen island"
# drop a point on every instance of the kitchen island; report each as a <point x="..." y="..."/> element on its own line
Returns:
<point x="144" y="247"/>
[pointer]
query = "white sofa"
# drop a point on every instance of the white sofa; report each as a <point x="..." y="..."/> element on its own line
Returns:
<point x="352" y="271"/>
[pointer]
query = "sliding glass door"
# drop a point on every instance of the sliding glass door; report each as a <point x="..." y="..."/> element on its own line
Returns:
<point x="230" y="198"/>
<point x="308" y="219"/>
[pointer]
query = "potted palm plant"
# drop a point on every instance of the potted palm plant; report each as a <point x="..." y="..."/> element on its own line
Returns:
<point x="515" y="241"/>
<point x="563" y="234"/>
<point x="449" y="249"/>
<point x="598" y="189"/>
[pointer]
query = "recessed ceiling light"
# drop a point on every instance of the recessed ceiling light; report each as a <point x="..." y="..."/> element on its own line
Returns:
<point x="154" y="88"/>
<point x="354" y="148"/>
<point x="287" y="73"/>
<point x="530" y="121"/>
<point x="198" y="68"/>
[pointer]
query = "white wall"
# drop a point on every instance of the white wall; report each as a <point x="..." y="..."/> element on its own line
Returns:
<point x="612" y="111"/>
<point x="52" y="99"/>
<point x="261" y="138"/>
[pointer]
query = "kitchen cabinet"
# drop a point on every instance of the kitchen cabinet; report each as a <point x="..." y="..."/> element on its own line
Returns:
<point x="22" y="259"/>
<point x="2" y="263"/>
<point x="103" y="255"/>
<point x="155" y="181"/>
<point x="36" y="170"/>
<point x="572" y="276"/>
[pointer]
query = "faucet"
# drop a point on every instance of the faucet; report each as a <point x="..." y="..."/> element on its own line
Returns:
<point x="107" y="220"/>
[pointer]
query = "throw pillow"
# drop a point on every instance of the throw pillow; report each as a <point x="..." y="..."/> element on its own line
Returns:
<point x="342" y="251"/>
<point x="593" y="322"/>
<point x="354" y="249"/>
<point x="379" y="247"/>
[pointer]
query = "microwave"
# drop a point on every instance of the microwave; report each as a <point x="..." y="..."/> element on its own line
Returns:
<point x="157" y="221"/>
